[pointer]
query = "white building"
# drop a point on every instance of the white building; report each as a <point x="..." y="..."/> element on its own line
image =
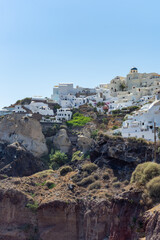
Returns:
<point x="19" y="109"/>
<point x="64" y="89"/>
<point x="5" y="111"/>
<point x="141" y="123"/>
<point x="64" y="114"/>
<point x="40" y="108"/>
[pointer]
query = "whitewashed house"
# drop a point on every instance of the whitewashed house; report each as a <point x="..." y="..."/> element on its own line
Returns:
<point x="19" y="109"/>
<point x="141" y="123"/>
<point x="64" y="114"/>
<point x="40" y="108"/>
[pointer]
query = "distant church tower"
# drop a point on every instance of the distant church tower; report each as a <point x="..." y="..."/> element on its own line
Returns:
<point x="133" y="70"/>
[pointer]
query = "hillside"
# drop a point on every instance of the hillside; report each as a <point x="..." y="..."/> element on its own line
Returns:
<point x="86" y="185"/>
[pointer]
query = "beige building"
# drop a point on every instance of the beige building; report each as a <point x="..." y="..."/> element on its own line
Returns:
<point x="116" y="85"/>
<point x="139" y="80"/>
<point x="135" y="84"/>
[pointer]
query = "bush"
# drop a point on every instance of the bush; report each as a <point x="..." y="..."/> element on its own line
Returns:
<point x="105" y="120"/>
<point x="89" y="167"/>
<point x="33" y="206"/>
<point x="145" y="172"/>
<point x="95" y="185"/>
<point x="78" y="120"/>
<point x="86" y="181"/>
<point x="114" y="179"/>
<point x="153" y="187"/>
<point x="118" y="133"/>
<point x="50" y="184"/>
<point x="65" y="170"/>
<point x="58" y="159"/>
<point x="106" y="176"/>
<point x="94" y="134"/>
<point x="76" y="178"/>
<point x="126" y="182"/>
<point x="114" y="127"/>
<point x="102" y="126"/>
<point x="23" y="101"/>
<point x="77" y="156"/>
<point x="116" y="184"/>
<point x="96" y="176"/>
<point x="51" y="131"/>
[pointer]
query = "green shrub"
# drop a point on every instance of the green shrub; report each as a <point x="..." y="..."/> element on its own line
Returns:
<point x="51" y="131"/>
<point x="86" y="181"/>
<point x="33" y="206"/>
<point x="106" y="176"/>
<point x="114" y="127"/>
<point x="77" y="156"/>
<point x="117" y="111"/>
<point x="50" y="184"/>
<point x="153" y="187"/>
<point x="78" y="120"/>
<point x="95" y="185"/>
<point x="145" y="172"/>
<point x="58" y="159"/>
<point x="89" y="167"/>
<point x="102" y="126"/>
<point x="105" y="120"/>
<point x="94" y="134"/>
<point x="65" y="170"/>
<point x="23" y="101"/>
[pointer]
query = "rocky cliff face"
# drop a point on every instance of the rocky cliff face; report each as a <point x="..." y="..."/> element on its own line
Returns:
<point x="126" y="150"/>
<point x="26" y="131"/>
<point x="15" y="161"/>
<point x="59" y="213"/>
<point x="152" y="222"/>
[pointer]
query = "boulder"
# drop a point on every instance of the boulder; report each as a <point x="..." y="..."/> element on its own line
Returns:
<point x="61" y="141"/>
<point x="26" y="131"/>
<point x="85" y="143"/>
<point x="16" y="161"/>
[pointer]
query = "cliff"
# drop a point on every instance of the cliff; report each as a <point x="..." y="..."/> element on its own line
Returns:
<point x="30" y="209"/>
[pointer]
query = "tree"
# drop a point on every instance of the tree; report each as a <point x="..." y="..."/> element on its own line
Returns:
<point x="122" y="86"/>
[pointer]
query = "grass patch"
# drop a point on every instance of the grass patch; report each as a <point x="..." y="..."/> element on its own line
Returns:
<point x="78" y="120"/>
<point x="41" y="184"/>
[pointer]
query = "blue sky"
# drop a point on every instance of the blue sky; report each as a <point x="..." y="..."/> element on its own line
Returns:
<point x="87" y="42"/>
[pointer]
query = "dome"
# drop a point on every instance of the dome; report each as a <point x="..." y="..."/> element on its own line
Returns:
<point x="134" y="68"/>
